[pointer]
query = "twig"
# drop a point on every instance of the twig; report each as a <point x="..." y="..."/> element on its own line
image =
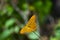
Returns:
<point x="19" y="11"/>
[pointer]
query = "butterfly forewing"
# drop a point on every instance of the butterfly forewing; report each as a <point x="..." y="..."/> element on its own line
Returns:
<point x="30" y="26"/>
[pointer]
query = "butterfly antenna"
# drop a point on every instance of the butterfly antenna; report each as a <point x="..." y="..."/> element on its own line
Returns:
<point x="36" y="34"/>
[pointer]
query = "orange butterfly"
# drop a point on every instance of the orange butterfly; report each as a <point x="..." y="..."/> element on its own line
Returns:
<point x="30" y="26"/>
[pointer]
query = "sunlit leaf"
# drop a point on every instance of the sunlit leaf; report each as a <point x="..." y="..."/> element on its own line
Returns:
<point x="32" y="8"/>
<point x="34" y="35"/>
<point x="57" y="33"/>
<point x="53" y="38"/>
<point x="6" y="33"/>
<point x="16" y="29"/>
<point x="9" y="22"/>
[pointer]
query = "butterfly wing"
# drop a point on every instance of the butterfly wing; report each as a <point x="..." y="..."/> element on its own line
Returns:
<point x="25" y="30"/>
<point x="32" y="22"/>
<point x="30" y="26"/>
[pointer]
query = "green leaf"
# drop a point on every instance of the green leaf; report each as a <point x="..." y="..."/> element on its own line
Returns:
<point x="25" y="6"/>
<point x="16" y="29"/>
<point x="9" y="10"/>
<point x="34" y="35"/>
<point x="6" y="33"/>
<point x="53" y="38"/>
<point x="57" y="33"/>
<point x="38" y="5"/>
<point x="9" y="22"/>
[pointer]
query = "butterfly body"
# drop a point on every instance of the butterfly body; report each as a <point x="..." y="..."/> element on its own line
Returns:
<point x="30" y="26"/>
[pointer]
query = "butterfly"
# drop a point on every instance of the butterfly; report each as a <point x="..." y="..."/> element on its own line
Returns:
<point x="30" y="26"/>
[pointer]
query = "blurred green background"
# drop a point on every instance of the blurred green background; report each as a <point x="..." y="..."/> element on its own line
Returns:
<point x="14" y="14"/>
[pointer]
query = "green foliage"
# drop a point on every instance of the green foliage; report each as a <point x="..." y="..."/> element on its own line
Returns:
<point x="6" y="33"/>
<point x="38" y="5"/>
<point x="7" y="9"/>
<point x="16" y="29"/>
<point x="8" y="13"/>
<point x="34" y="35"/>
<point x="24" y="6"/>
